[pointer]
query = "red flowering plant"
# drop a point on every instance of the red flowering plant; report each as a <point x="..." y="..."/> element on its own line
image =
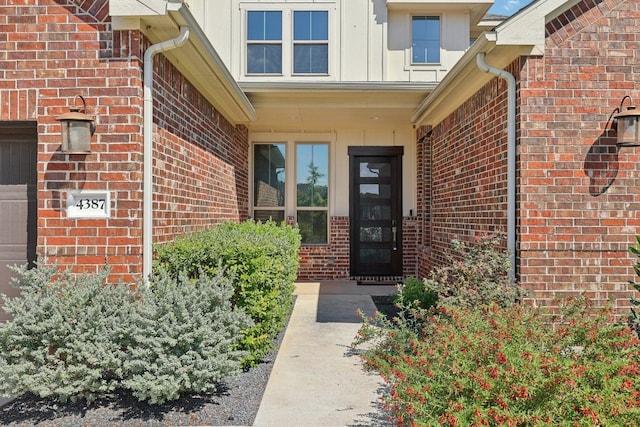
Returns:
<point x="511" y="366"/>
<point x="479" y="357"/>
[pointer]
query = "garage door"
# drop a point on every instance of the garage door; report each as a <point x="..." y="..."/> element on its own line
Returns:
<point x="18" y="206"/>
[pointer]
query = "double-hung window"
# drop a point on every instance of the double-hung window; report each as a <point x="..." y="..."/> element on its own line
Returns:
<point x="287" y="42"/>
<point x="310" y="42"/>
<point x="264" y="42"/>
<point x="293" y="186"/>
<point x="425" y="39"/>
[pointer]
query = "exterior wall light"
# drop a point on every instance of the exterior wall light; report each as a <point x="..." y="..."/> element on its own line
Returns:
<point x="627" y="124"/>
<point x="77" y="129"/>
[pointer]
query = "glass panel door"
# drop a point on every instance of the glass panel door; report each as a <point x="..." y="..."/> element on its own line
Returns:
<point x="376" y="220"/>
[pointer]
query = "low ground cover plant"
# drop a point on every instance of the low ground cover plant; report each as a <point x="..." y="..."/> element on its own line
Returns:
<point x="495" y="362"/>
<point x="507" y="366"/>
<point x="74" y="337"/>
<point x="262" y="258"/>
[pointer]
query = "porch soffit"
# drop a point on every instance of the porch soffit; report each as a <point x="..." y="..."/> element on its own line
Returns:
<point x="197" y="60"/>
<point x="340" y="104"/>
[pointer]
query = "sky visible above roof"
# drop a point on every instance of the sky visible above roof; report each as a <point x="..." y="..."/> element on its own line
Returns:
<point x="507" y="7"/>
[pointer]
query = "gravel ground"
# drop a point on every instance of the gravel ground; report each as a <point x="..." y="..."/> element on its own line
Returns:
<point x="235" y="403"/>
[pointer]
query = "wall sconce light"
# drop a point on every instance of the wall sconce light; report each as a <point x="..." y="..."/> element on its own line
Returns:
<point x="627" y="124"/>
<point x="77" y="129"/>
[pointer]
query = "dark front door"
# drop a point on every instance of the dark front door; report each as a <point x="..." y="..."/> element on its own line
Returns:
<point x="376" y="210"/>
<point x="18" y="208"/>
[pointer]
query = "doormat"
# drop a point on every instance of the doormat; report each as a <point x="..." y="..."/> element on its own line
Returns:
<point x="379" y="280"/>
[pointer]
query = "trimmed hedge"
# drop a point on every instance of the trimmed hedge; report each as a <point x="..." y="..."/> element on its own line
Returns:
<point x="263" y="260"/>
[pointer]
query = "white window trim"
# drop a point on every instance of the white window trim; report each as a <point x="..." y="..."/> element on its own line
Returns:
<point x="291" y="140"/>
<point x="408" y="53"/>
<point x="287" y="10"/>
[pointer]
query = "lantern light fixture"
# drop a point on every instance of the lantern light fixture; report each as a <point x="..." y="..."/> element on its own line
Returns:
<point x="627" y="125"/>
<point x="76" y="129"/>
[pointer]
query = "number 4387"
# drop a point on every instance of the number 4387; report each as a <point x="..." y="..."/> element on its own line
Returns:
<point x="90" y="204"/>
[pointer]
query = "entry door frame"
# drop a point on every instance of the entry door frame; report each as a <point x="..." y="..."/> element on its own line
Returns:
<point x="394" y="153"/>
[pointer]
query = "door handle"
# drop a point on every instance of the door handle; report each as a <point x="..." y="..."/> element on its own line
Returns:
<point x="394" y="231"/>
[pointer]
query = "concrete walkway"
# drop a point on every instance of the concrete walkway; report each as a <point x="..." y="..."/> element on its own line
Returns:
<point x="317" y="379"/>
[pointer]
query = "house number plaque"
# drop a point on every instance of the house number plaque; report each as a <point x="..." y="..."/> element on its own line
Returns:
<point x="94" y="204"/>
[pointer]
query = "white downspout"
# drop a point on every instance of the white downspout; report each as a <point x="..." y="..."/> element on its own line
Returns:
<point x="147" y="183"/>
<point x="511" y="157"/>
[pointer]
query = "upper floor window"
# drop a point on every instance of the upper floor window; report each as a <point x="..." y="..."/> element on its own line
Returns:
<point x="310" y="42"/>
<point x="425" y="43"/>
<point x="287" y="42"/>
<point x="264" y="42"/>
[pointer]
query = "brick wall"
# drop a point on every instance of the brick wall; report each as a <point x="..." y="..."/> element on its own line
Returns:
<point x="52" y="51"/>
<point x="201" y="160"/>
<point x="580" y="195"/>
<point x="327" y="261"/>
<point x="465" y="186"/>
<point x="423" y="208"/>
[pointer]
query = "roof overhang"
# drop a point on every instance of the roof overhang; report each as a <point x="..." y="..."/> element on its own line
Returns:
<point x="521" y="35"/>
<point x="341" y="103"/>
<point x="197" y="60"/>
<point x="477" y="8"/>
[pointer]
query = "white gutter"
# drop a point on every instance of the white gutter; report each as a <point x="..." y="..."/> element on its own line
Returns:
<point x="511" y="157"/>
<point x="147" y="184"/>
<point x="201" y="40"/>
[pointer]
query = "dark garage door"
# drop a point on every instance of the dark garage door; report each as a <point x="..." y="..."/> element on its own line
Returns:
<point x="18" y="203"/>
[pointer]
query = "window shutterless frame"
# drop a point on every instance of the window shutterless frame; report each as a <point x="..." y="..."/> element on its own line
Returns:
<point x="291" y="177"/>
<point x="425" y="39"/>
<point x="304" y="48"/>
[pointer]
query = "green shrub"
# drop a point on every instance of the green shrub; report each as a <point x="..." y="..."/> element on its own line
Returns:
<point x="477" y="274"/>
<point x="414" y="294"/>
<point x="74" y="337"/>
<point x="263" y="258"/>
<point x="508" y="366"/>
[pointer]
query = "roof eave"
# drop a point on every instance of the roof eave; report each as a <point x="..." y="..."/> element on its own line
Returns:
<point x="197" y="60"/>
<point x="501" y="46"/>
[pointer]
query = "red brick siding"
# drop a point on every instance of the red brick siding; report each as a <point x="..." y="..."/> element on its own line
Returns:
<point x="50" y="53"/>
<point x="580" y="196"/>
<point x="423" y="192"/>
<point x="201" y="160"/>
<point x="327" y="261"/>
<point x="410" y="233"/>
<point x="466" y="195"/>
